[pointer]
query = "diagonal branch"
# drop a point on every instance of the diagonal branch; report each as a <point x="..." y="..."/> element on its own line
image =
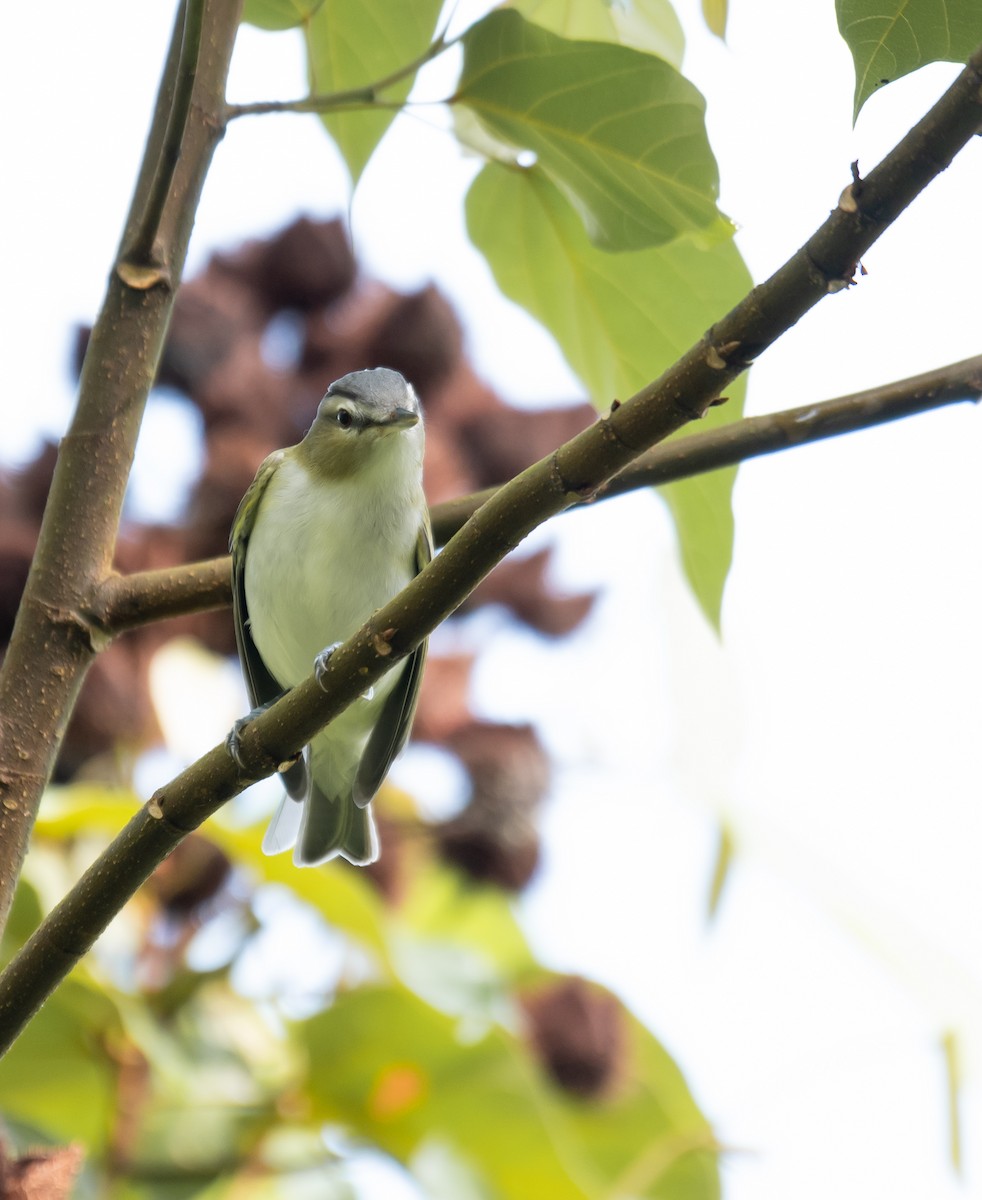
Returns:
<point x="578" y="469"/>
<point x="130" y="601"/>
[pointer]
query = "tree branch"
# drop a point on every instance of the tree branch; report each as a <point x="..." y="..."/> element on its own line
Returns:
<point x="55" y="637"/>
<point x="577" y="470"/>
<point x="753" y="437"/>
<point x="127" y="602"/>
<point x="140" y="264"/>
<point x="130" y="601"/>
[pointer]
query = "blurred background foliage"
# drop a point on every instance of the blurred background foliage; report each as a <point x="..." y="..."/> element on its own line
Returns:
<point x="183" y="1057"/>
<point x="411" y="1021"/>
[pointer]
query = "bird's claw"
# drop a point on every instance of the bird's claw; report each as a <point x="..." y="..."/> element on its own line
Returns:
<point x="320" y="670"/>
<point x="321" y="661"/>
<point x="233" y="742"/>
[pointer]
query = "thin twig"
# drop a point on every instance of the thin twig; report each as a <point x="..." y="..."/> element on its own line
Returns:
<point x="365" y="96"/>
<point x="752" y="437"/>
<point x="130" y="601"/>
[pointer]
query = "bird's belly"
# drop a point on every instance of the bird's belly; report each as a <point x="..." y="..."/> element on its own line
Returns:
<point x="323" y="575"/>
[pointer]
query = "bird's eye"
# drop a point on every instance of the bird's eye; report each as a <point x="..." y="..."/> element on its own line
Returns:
<point x="344" y="418"/>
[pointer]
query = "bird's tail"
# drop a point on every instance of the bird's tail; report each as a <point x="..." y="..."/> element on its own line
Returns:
<point x="333" y="826"/>
<point x="318" y="827"/>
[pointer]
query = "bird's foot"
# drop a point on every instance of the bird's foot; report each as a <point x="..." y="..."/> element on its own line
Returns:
<point x="320" y="670"/>
<point x="321" y="661"/>
<point x="233" y="742"/>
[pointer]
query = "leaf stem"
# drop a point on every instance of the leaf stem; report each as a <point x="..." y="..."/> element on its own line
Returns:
<point x="365" y="96"/>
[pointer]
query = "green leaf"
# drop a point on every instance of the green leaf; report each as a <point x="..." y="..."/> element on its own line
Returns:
<point x="650" y="1139"/>
<point x="60" y="1057"/>
<point x="25" y="916"/>
<point x="354" y="43"/>
<point x="394" y="1070"/>
<point x="620" y="320"/>
<point x="714" y="13"/>
<point x="722" y="868"/>
<point x="619" y="132"/>
<point x="648" y="25"/>
<point x="458" y="945"/>
<point x="279" y="14"/>
<point x="891" y="38"/>
<point x="344" y="897"/>
<point x="952" y="1050"/>
<point x="398" y="1073"/>
<point x="441" y="904"/>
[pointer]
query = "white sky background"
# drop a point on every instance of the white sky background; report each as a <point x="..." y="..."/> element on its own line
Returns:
<point x="838" y="727"/>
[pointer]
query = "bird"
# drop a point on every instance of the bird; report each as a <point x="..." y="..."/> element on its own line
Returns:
<point x="328" y="532"/>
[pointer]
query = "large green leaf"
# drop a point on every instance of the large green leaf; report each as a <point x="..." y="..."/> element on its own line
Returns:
<point x="619" y="132"/>
<point x="25" y="916"/>
<point x="651" y="1136"/>
<point x="441" y="904"/>
<point x="891" y="38"/>
<point x="649" y="25"/>
<point x="398" y="1073"/>
<point x="279" y="14"/>
<point x="393" y="1070"/>
<point x="353" y="43"/>
<point x="342" y="895"/>
<point x="620" y="320"/>
<point x="62" y="1056"/>
<point x="458" y="944"/>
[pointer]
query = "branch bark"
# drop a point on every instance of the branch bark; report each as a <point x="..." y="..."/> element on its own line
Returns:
<point x="143" y="258"/>
<point x="577" y="470"/>
<point x="56" y="636"/>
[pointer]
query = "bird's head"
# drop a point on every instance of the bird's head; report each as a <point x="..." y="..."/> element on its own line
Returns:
<point x="363" y="418"/>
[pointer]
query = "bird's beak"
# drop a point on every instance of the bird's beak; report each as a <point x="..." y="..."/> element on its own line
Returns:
<point x="400" y="418"/>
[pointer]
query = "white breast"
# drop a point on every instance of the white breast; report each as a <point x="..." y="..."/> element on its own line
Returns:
<point x="332" y="552"/>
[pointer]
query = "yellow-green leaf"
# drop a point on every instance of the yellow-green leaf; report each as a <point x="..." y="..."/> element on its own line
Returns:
<point x="714" y="13"/>
<point x="63" y="1055"/>
<point x="650" y="1138"/>
<point x="891" y="38"/>
<point x="620" y="320"/>
<point x="343" y="896"/>
<point x="279" y="14"/>
<point x="395" y="1071"/>
<point x="620" y="133"/>
<point x="648" y="25"/>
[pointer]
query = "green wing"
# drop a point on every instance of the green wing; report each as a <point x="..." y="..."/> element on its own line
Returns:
<point x="391" y="731"/>
<point x="261" y="685"/>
